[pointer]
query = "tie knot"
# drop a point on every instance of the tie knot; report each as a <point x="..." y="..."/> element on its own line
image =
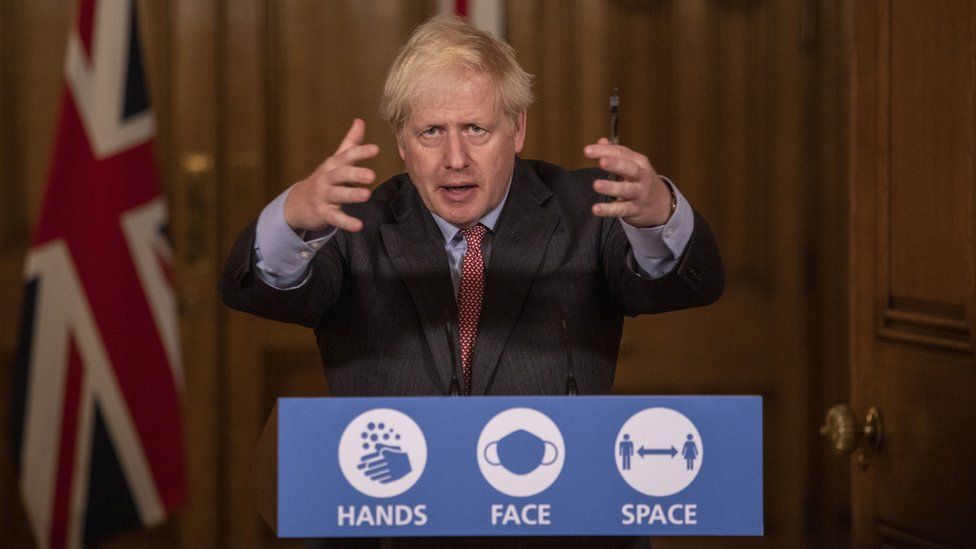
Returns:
<point x="474" y="234"/>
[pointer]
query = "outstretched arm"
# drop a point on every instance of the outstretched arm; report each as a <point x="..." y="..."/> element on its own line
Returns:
<point x="266" y="271"/>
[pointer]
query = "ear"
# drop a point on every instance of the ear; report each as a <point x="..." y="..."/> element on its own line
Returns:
<point x="520" y="132"/>
<point x="399" y="140"/>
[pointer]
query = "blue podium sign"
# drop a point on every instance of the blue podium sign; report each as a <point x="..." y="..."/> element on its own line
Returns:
<point x="499" y="466"/>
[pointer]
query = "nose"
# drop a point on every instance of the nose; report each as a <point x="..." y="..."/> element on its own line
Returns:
<point x="455" y="152"/>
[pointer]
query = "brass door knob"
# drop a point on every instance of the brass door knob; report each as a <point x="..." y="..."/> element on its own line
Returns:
<point x="842" y="428"/>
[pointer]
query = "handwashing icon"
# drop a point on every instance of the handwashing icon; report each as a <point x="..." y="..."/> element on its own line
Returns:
<point x="521" y="452"/>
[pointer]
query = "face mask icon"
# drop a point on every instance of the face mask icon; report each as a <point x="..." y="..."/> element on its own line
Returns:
<point x="521" y="452"/>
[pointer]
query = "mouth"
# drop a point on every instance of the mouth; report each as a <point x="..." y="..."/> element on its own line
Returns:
<point x="459" y="191"/>
<point x="459" y="187"/>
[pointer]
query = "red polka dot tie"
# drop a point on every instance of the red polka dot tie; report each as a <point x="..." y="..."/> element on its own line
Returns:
<point x="469" y="297"/>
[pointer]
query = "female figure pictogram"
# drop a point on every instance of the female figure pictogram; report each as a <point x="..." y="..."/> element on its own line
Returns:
<point x="690" y="452"/>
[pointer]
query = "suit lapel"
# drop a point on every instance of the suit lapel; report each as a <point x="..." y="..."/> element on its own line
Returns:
<point x="518" y="247"/>
<point x="416" y="248"/>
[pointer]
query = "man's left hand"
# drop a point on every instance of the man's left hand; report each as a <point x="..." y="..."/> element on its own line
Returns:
<point x="642" y="198"/>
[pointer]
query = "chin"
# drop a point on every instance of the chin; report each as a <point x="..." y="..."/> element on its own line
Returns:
<point x="459" y="218"/>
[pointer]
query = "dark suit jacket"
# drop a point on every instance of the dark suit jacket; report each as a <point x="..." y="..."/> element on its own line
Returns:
<point x="379" y="299"/>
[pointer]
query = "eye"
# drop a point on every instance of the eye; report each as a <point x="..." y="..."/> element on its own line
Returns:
<point x="475" y="129"/>
<point x="431" y="131"/>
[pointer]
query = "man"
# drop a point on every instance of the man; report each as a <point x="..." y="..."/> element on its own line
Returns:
<point x="522" y="257"/>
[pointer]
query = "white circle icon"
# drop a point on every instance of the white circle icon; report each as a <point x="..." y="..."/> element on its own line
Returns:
<point x="521" y="452"/>
<point x="382" y="453"/>
<point x="658" y="452"/>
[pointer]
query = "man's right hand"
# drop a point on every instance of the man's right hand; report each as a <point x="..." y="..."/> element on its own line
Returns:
<point x="316" y="202"/>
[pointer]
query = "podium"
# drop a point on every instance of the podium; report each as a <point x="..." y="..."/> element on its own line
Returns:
<point x="512" y="466"/>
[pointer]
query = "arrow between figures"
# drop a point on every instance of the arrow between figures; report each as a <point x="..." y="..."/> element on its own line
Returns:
<point x="657" y="452"/>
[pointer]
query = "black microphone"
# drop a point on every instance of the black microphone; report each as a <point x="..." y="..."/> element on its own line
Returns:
<point x="455" y="389"/>
<point x="571" y="387"/>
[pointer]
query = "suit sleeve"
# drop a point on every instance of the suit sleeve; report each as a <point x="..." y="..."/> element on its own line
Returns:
<point x="242" y="289"/>
<point x="697" y="279"/>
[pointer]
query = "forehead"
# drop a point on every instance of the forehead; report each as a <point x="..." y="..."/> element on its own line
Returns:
<point x="456" y="97"/>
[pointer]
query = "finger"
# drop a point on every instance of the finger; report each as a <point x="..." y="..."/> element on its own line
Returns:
<point x="379" y="469"/>
<point x="341" y="220"/>
<point x="368" y="457"/>
<point x="354" y="136"/>
<point x="366" y="460"/>
<point x="615" y="209"/>
<point x="623" y="190"/>
<point x="355" y="153"/>
<point x="601" y="149"/>
<point x="364" y="464"/>
<point x="376" y="465"/>
<point x="340" y="194"/>
<point x="350" y="174"/>
<point x="622" y="167"/>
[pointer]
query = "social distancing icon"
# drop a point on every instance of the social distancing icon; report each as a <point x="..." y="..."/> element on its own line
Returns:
<point x="647" y="450"/>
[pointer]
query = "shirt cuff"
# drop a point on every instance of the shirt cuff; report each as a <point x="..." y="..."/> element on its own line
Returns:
<point x="656" y="249"/>
<point x="284" y="257"/>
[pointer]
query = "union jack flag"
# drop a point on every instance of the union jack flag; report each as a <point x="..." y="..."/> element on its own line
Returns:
<point x="101" y="437"/>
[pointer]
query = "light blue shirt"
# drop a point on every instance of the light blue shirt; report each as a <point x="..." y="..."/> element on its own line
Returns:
<point x="284" y="257"/>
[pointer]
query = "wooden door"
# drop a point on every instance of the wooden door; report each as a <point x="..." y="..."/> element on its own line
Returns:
<point x="912" y="285"/>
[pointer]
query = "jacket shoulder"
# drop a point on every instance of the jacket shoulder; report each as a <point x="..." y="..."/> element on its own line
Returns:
<point x="565" y="183"/>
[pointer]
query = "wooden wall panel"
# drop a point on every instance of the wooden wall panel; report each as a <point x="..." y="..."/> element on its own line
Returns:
<point x="243" y="93"/>
<point x="320" y="83"/>
<point x="690" y="116"/>
<point x="13" y="242"/>
<point x="596" y="74"/>
<point x="642" y="54"/>
<point x="737" y="111"/>
<point x="40" y="89"/>
<point x="13" y="216"/>
<point x="188" y="123"/>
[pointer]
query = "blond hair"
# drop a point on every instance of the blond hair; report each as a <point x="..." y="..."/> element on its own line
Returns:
<point x="448" y="46"/>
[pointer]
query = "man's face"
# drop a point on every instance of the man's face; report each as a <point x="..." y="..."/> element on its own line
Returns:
<point x="459" y="149"/>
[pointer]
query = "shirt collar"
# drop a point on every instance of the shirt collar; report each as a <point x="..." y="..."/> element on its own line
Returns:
<point x="450" y="230"/>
